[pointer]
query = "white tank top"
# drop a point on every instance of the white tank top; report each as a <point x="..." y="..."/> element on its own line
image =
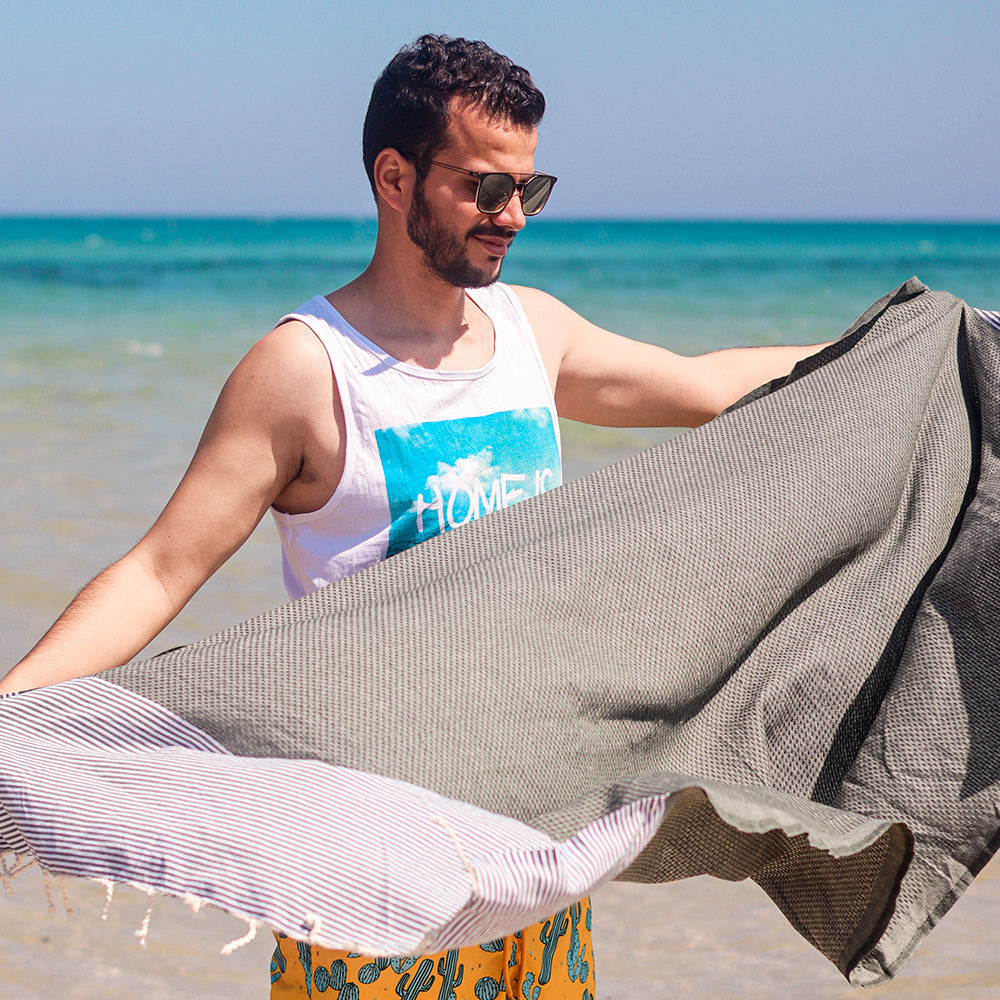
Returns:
<point x="425" y="451"/>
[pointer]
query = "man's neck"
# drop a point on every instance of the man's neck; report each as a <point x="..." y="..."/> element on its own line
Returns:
<point x="415" y="316"/>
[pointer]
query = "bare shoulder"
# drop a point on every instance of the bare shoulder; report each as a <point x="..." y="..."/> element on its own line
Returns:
<point x="289" y="350"/>
<point x="277" y="418"/>
<point x="284" y="369"/>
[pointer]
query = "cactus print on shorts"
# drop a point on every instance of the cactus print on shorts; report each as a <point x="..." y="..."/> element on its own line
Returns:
<point x="551" y="960"/>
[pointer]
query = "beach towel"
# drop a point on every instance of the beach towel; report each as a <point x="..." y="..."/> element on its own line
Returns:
<point x="765" y="649"/>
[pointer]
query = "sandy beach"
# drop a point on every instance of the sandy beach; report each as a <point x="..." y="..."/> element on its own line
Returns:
<point x="700" y="938"/>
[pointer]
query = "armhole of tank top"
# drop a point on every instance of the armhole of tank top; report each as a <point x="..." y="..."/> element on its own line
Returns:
<point x="341" y="385"/>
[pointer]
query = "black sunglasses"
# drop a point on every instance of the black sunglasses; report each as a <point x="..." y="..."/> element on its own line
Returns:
<point x="496" y="189"/>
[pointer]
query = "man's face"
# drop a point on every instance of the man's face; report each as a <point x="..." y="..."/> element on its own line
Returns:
<point x="461" y="245"/>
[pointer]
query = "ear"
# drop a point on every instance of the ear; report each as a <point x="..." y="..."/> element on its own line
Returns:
<point x="395" y="178"/>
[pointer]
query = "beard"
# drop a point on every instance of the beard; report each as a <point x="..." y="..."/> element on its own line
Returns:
<point x="446" y="254"/>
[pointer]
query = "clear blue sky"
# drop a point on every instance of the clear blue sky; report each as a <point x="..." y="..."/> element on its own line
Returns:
<point x="712" y="109"/>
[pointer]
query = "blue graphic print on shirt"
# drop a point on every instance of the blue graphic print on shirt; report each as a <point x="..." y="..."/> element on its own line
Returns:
<point x="442" y="474"/>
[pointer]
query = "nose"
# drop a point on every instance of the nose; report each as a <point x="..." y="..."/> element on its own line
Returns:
<point x="512" y="215"/>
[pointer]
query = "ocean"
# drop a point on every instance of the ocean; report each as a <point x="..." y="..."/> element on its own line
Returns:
<point x="117" y="334"/>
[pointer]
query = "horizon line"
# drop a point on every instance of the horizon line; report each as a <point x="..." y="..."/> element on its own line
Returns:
<point x="270" y="218"/>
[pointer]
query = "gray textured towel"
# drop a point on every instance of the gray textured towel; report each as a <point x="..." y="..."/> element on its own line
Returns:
<point x="779" y="630"/>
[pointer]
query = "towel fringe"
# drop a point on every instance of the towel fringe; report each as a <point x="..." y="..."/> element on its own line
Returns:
<point x="251" y="933"/>
<point x="6" y="874"/>
<point x="61" y="882"/>
<point x="143" y="929"/>
<point x="313" y="925"/>
<point x="21" y="864"/>
<point x="10" y="869"/>
<point x="109" y="892"/>
<point x="193" y="903"/>
<point x="48" y="892"/>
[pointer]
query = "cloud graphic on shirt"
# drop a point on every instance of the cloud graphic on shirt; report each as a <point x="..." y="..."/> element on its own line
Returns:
<point x="410" y="435"/>
<point x="464" y="473"/>
<point x="460" y="492"/>
<point x="537" y="416"/>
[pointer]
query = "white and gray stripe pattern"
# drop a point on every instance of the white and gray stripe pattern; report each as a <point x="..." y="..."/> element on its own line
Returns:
<point x="132" y="793"/>
<point x="990" y="315"/>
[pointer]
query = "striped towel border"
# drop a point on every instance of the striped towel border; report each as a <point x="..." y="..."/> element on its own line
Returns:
<point x="991" y="316"/>
<point x="131" y="793"/>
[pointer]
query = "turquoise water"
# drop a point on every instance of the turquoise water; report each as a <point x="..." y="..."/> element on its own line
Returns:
<point x="115" y="336"/>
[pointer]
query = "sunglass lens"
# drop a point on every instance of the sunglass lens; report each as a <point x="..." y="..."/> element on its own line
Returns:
<point x="495" y="191"/>
<point x="536" y="194"/>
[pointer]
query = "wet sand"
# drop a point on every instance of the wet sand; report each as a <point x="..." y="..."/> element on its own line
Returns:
<point x="695" y="939"/>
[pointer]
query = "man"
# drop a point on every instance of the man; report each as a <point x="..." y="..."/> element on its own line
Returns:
<point x="415" y="398"/>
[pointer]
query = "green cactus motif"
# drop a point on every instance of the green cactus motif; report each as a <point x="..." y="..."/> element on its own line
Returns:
<point x="577" y="966"/>
<point x="334" y="978"/>
<point x="526" y="988"/>
<point x="552" y="931"/>
<point x="488" y="988"/>
<point x="338" y="974"/>
<point x="513" y="951"/>
<point x="423" y="980"/>
<point x="367" y="974"/>
<point x="278" y="963"/>
<point x="450" y="978"/>
<point x="305" y="957"/>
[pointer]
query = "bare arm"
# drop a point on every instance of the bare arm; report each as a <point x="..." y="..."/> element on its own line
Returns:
<point x="249" y="454"/>
<point x="602" y="378"/>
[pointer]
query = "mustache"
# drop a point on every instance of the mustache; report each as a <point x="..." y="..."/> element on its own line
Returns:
<point x="493" y="232"/>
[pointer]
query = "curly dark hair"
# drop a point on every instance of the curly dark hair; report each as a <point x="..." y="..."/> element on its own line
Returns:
<point x="408" y="110"/>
